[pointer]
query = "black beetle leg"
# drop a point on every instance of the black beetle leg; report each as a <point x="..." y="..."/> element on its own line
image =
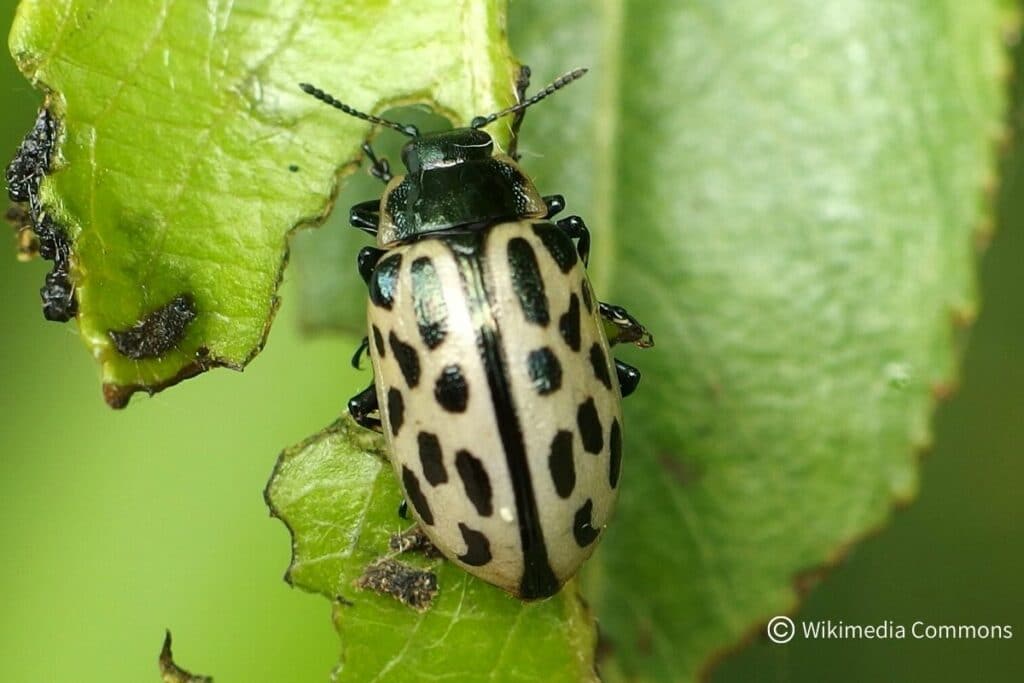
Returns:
<point x="522" y="84"/>
<point x="403" y="509"/>
<point x="629" y="377"/>
<point x="365" y="216"/>
<point x="577" y="229"/>
<point x="620" y="326"/>
<point x="362" y="405"/>
<point x="379" y="167"/>
<point x="364" y="346"/>
<point x="366" y="261"/>
<point x="555" y="204"/>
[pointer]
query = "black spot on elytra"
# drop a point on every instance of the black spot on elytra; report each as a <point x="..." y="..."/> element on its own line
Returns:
<point x="615" y="448"/>
<point x="590" y="427"/>
<point x="428" y="302"/>
<point x="294" y="168"/>
<point x="478" y="548"/>
<point x="408" y="360"/>
<point x="451" y="390"/>
<point x="545" y="370"/>
<point x="475" y="481"/>
<point x="600" y="364"/>
<point x="431" y="458"/>
<point x="415" y="495"/>
<point x="558" y="245"/>
<point x="396" y="410"/>
<point x="413" y="587"/>
<point x="378" y="341"/>
<point x="588" y="299"/>
<point x="582" y="526"/>
<point x="560" y="462"/>
<point x="527" y="281"/>
<point x="157" y="333"/>
<point x="569" y="323"/>
<point x="384" y="281"/>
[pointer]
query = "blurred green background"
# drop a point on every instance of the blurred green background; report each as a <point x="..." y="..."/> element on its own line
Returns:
<point x="116" y="525"/>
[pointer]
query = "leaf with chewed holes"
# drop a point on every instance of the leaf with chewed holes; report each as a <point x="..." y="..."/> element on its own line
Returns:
<point x="788" y="195"/>
<point x="339" y="498"/>
<point x="186" y="152"/>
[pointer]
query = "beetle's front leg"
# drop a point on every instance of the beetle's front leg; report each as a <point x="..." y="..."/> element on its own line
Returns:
<point x="379" y="167"/>
<point x="366" y="261"/>
<point x="362" y="406"/>
<point x="555" y="204"/>
<point x="365" y="216"/>
<point x="522" y="84"/>
<point x="577" y="230"/>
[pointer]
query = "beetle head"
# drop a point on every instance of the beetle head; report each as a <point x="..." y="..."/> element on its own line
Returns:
<point x="447" y="148"/>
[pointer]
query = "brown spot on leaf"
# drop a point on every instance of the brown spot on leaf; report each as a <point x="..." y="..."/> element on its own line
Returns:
<point x="157" y="333"/>
<point x="412" y="587"/>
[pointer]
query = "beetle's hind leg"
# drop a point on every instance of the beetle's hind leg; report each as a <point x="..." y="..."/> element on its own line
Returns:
<point x="620" y="326"/>
<point x="522" y="84"/>
<point x="575" y="228"/>
<point x="629" y="377"/>
<point x="362" y="407"/>
<point x="357" y="357"/>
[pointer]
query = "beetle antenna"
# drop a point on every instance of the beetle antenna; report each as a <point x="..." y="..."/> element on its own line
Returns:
<point x="557" y="84"/>
<point x="403" y="128"/>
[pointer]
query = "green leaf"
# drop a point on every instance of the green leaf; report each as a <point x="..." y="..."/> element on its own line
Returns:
<point x="188" y="153"/>
<point x="338" y="497"/>
<point x="788" y="195"/>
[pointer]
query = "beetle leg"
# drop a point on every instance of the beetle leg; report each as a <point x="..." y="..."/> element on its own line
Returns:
<point x="367" y="260"/>
<point x="555" y="204"/>
<point x="379" y="167"/>
<point x="365" y="216"/>
<point x="403" y="509"/>
<point x="629" y="377"/>
<point x="620" y="326"/>
<point x="522" y="83"/>
<point x="577" y="229"/>
<point x="362" y="405"/>
<point x="364" y="346"/>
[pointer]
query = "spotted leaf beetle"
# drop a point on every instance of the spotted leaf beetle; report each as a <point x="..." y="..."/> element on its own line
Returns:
<point x="493" y="381"/>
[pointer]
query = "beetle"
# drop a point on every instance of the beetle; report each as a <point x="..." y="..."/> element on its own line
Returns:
<point x="493" y="381"/>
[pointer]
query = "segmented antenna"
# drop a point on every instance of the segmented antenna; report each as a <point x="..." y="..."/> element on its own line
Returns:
<point x="404" y="129"/>
<point x="557" y="84"/>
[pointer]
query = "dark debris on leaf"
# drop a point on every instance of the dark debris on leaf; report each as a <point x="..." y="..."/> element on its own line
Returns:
<point x="413" y="540"/>
<point x="32" y="160"/>
<point x="158" y="332"/>
<point x="412" y="587"/>
<point x="38" y="232"/>
<point x="171" y="672"/>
